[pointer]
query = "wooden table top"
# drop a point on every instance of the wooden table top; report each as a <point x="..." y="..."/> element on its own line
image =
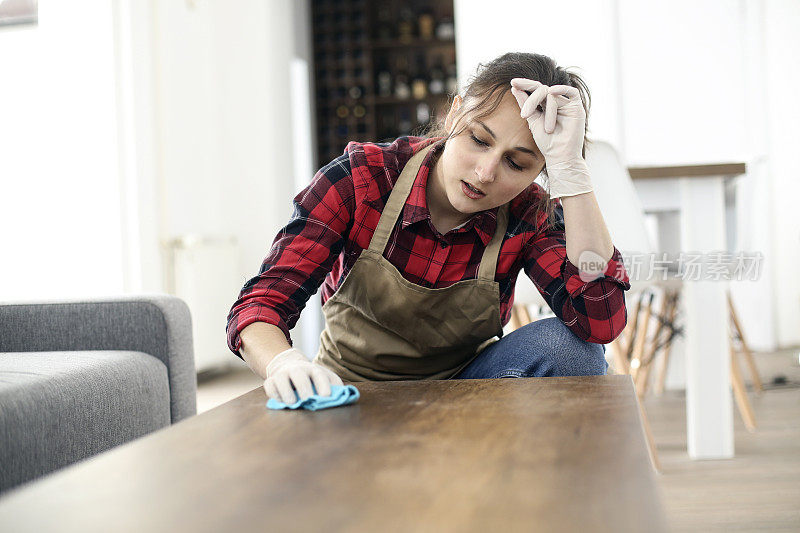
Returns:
<point x="688" y="171"/>
<point x="525" y="454"/>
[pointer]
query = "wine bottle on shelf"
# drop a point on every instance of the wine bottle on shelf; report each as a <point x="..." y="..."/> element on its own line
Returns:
<point x="402" y="89"/>
<point x="405" y="28"/>
<point x="423" y="113"/>
<point x="385" y="23"/>
<point x="445" y="30"/>
<point x="419" y="86"/>
<point x="355" y="92"/>
<point x="436" y="85"/>
<point x="425" y="24"/>
<point x="384" y="80"/>
<point x="404" y="125"/>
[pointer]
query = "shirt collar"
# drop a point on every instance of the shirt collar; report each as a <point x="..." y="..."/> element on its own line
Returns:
<point x="416" y="207"/>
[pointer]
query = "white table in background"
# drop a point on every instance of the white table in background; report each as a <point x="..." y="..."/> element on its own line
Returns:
<point x="698" y="193"/>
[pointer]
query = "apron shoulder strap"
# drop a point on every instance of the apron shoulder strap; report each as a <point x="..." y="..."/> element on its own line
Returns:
<point x="397" y="199"/>
<point x="488" y="266"/>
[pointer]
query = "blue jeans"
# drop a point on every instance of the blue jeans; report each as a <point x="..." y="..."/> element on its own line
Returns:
<point x="542" y="348"/>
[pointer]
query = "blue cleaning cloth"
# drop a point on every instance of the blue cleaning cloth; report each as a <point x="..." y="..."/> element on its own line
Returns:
<point x="340" y="395"/>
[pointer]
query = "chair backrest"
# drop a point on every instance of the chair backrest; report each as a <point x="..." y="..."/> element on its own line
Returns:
<point x="619" y="203"/>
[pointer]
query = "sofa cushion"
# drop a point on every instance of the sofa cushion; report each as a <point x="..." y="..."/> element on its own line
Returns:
<point x="59" y="407"/>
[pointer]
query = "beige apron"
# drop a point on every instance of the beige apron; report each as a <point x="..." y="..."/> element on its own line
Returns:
<point x="379" y="326"/>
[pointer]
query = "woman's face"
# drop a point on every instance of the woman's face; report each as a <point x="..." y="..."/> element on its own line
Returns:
<point x="495" y="155"/>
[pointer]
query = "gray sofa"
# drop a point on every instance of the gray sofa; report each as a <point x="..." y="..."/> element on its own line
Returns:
<point x="80" y="377"/>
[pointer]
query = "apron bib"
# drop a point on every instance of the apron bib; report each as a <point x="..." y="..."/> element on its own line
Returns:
<point x="380" y="326"/>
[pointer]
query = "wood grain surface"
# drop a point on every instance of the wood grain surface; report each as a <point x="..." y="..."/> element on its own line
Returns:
<point x="526" y="454"/>
<point x="688" y="171"/>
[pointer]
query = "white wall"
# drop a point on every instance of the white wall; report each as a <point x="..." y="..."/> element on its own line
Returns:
<point x="61" y="233"/>
<point x="217" y="156"/>
<point x="214" y="77"/>
<point x="683" y="82"/>
<point x="142" y="206"/>
<point x="682" y="79"/>
<point x="223" y="120"/>
<point x="777" y="90"/>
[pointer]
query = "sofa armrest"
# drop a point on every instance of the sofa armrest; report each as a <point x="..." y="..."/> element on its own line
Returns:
<point x="159" y="325"/>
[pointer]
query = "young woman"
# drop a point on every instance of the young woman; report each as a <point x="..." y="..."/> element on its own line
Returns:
<point x="418" y="243"/>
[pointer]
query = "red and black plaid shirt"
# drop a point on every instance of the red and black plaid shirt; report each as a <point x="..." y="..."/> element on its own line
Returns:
<point x="334" y="219"/>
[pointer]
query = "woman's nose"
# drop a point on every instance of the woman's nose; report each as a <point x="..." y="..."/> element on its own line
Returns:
<point x="486" y="169"/>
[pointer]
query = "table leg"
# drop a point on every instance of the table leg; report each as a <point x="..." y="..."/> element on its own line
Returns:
<point x="709" y="406"/>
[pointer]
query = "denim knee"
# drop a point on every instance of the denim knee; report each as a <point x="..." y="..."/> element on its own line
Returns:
<point x="557" y="351"/>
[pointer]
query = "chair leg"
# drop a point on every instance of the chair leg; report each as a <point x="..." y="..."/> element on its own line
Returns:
<point x="748" y="355"/>
<point x="631" y="327"/>
<point x="740" y="393"/>
<point x="623" y="338"/>
<point x="515" y="321"/>
<point x="620" y="362"/>
<point x="662" y="315"/>
<point x="662" y="372"/>
<point x="644" y="377"/>
<point x="524" y="315"/>
<point x="647" y="360"/>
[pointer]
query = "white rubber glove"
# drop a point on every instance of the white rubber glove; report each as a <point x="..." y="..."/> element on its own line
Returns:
<point x="558" y="132"/>
<point x="291" y="367"/>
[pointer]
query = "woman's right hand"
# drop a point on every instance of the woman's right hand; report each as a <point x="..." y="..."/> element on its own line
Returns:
<point x="292" y="368"/>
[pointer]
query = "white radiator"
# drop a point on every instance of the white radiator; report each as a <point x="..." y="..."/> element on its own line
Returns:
<point x="204" y="273"/>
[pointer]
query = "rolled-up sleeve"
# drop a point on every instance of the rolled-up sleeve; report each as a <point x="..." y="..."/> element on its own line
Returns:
<point x="302" y="254"/>
<point x="594" y="310"/>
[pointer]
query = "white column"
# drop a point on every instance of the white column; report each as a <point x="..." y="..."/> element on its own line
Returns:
<point x="709" y="408"/>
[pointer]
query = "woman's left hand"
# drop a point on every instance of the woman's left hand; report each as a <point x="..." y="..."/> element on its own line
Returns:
<point x="558" y="130"/>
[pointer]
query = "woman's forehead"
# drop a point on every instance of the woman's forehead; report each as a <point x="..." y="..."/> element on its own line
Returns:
<point x="506" y="110"/>
<point x="503" y="127"/>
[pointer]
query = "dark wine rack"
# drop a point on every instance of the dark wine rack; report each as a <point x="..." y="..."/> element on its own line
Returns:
<point x="381" y="69"/>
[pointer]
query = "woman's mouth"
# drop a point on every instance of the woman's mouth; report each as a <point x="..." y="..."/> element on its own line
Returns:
<point x="470" y="191"/>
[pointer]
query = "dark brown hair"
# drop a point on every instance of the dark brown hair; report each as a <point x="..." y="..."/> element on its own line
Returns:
<point x="485" y="90"/>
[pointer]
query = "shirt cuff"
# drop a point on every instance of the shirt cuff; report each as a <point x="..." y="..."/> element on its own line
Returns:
<point x="615" y="271"/>
<point x="247" y="316"/>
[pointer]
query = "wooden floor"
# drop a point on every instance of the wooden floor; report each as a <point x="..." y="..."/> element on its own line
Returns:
<point x="758" y="490"/>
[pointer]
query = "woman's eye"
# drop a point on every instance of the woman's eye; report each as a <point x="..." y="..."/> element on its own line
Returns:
<point x="478" y="141"/>
<point x="510" y="161"/>
<point x="514" y="165"/>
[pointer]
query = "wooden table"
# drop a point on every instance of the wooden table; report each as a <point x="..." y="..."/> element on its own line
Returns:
<point x="528" y="454"/>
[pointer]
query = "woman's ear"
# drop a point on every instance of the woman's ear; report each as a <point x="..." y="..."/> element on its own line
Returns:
<point x="448" y="121"/>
